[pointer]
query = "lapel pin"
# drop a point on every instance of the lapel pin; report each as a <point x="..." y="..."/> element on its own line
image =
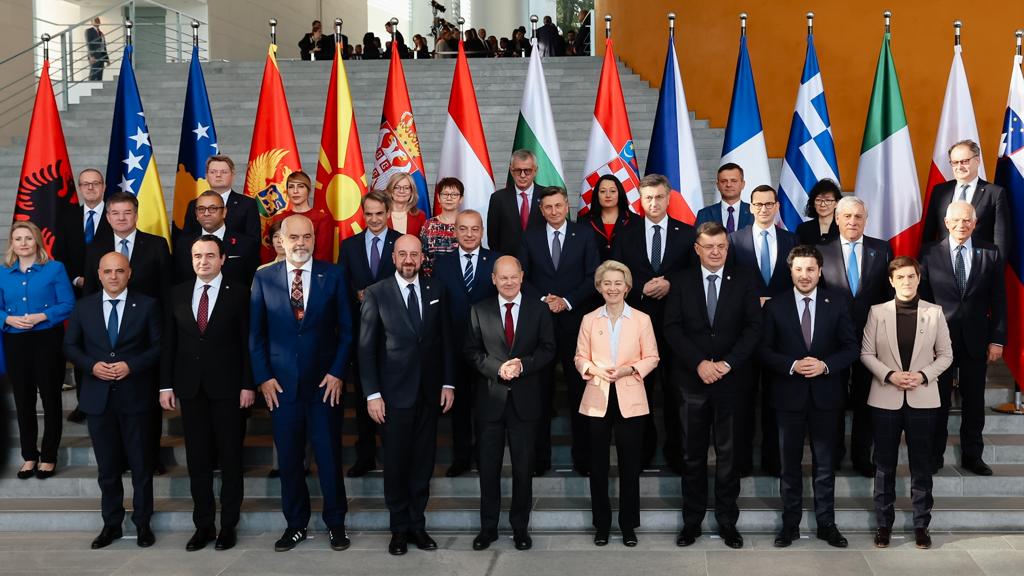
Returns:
<point x="728" y="277"/>
<point x="826" y="300"/>
<point x="319" y="275"/>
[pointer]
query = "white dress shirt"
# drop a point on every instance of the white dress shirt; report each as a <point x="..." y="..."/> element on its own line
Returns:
<point x="561" y="240"/>
<point x="474" y="258"/>
<point x="307" y="276"/>
<point x="846" y="244"/>
<point x="369" y="236"/>
<point x="972" y="187"/>
<point x="718" y="283"/>
<point x="107" y="307"/>
<point x="519" y="198"/>
<point x="615" y="328"/>
<point x="968" y="255"/>
<point x="219" y="232"/>
<point x="517" y="303"/>
<point x="131" y="243"/>
<point x="211" y="295"/>
<point x="773" y="248"/>
<point x="225" y="196"/>
<point x="735" y="212"/>
<point x="96" y="217"/>
<point x="813" y="305"/>
<point x="649" y="234"/>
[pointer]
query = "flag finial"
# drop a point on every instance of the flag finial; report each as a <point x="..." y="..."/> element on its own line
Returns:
<point x="743" y="24"/>
<point x="128" y="25"/>
<point x="957" y="25"/>
<point x="461" y="21"/>
<point x="195" y="33"/>
<point x="273" y="30"/>
<point x="46" y="46"/>
<point x="607" y="25"/>
<point x="533" y="25"/>
<point x="1019" y="34"/>
<point x="888" y="20"/>
<point x="810" y="23"/>
<point x="671" y="22"/>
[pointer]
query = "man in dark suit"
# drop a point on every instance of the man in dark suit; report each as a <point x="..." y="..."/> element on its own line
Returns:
<point x="668" y="249"/>
<point x="299" y="341"/>
<point x="712" y="326"/>
<point x="730" y="212"/>
<point x="761" y="249"/>
<point x="366" y="259"/>
<point x="808" y="342"/>
<point x="510" y="342"/>
<point x="559" y="260"/>
<point x="582" y="43"/>
<point x="205" y="364"/>
<point x="407" y="368"/>
<point x="990" y="203"/>
<point x="114" y="337"/>
<point x="242" y="215"/>
<point x="241" y="253"/>
<point x="466" y="275"/>
<point x="549" y="41"/>
<point x="964" y="275"/>
<point x="512" y="210"/>
<point x="96" y="44"/>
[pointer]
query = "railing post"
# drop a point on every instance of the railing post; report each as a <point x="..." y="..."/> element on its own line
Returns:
<point x="64" y="69"/>
<point x="180" y="53"/>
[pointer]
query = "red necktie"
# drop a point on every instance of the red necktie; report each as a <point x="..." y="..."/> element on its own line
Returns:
<point x="524" y="211"/>
<point x="203" y="314"/>
<point x="298" y="306"/>
<point x="510" y="331"/>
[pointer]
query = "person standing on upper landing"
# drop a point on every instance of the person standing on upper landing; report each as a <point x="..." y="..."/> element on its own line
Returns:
<point x="730" y="212"/>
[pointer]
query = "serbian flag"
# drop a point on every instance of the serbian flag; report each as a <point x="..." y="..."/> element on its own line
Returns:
<point x="273" y="154"/>
<point x="1010" y="175"/>
<point x="744" y="135"/>
<point x="464" y="150"/>
<point x="131" y="166"/>
<point x="398" y="144"/>
<point x="340" y="176"/>
<point x="46" y="187"/>
<point x="672" y="153"/>
<point x="610" y="150"/>
<point x="197" y="143"/>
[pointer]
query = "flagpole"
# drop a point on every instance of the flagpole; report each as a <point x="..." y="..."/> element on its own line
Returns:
<point x="195" y="33"/>
<point x="273" y="30"/>
<point x="46" y="46"/>
<point x="810" y="23"/>
<point x="743" y="24"/>
<point x="128" y="36"/>
<point x="607" y="26"/>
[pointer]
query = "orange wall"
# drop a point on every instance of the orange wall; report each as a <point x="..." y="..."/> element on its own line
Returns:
<point x="847" y="36"/>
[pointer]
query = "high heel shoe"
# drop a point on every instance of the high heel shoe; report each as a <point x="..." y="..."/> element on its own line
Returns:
<point x="26" y="473"/>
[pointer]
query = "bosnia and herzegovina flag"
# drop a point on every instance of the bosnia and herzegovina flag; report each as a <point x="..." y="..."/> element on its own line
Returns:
<point x="198" y="142"/>
<point x="131" y="166"/>
<point x="340" y="175"/>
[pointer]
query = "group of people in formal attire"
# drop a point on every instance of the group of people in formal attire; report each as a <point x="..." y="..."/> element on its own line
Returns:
<point x="705" y="327"/>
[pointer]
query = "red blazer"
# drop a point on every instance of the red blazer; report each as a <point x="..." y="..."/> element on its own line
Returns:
<point x="413" y="223"/>
<point x="324" y="228"/>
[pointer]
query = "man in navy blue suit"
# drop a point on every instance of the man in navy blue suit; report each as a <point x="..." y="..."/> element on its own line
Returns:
<point x="730" y="212"/>
<point x="299" y="338"/>
<point x="559" y="260"/>
<point x="466" y="274"/>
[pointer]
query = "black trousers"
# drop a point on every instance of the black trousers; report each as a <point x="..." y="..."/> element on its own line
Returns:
<point x="917" y="424"/>
<point x="794" y="426"/>
<point x="629" y="438"/>
<point x="567" y="327"/>
<point x="520" y="435"/>
<point x="366" y="428"/>
<point x="757" y="409"/>
<point x="214" y="433"/>
<point x="35" y="365"/>
<point x="96" y="71"/>
<point x="657" y="381"/>
<point x="706" y="416"/>
<point x="119" y="440"/>
<point x="861" y="436"/>
<point x="971" y="387"/>
<point x="463" y="438"/>
<point x="409" y="443"/>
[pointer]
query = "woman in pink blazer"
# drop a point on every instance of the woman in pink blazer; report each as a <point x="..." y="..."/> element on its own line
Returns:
<point x="615" y="350"/>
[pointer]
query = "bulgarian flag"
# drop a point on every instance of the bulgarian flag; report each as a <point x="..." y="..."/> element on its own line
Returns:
<point x="886" y="176"/>
<point x="464" y="150"/>
<point x="536" y="128"/>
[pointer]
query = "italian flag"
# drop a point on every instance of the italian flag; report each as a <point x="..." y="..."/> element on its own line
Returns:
<point x="886" y="175"/>
<point x="535" y="130"/>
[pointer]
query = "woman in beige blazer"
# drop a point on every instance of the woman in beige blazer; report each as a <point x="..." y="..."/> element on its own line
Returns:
<point x="615" y="350"/>
<point x="906" y="347"/>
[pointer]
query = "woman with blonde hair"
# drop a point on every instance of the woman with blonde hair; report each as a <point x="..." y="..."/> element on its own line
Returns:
<point x="406" y="217"/>
<point x="35" y="299"/>
<point x="300" y="201"/>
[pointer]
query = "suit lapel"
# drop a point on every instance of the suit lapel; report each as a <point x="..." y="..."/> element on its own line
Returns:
<point x="524" y="316"/>
<point x="478" y="276"/>
<point x="869" y="260"/>
<point x="976" y="264"/>
<point x="398" y="293"/>
<point x="924" y="326"/>
<point x="822" y="307"/>
<point x="793" y="313"/>
<point x="316" y="288"/>
<point x="980" y="193"/>
<point x="183" y="309"/>
<point x="224" y="296"/>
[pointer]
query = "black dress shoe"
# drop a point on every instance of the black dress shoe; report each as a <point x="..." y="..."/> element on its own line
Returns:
<point x="359" y="469"/>
<point x="786" y="536"/>
<point x="290" y="538"/>
<point x="398" y="545"/>
<point x="145" y="536"/>
<point x="882" y="537"/>
<point x="226" y="540"/>
<point x="688" y="535"/>
<point x="159" y="469"/>
<point x="601" y="538"/>
<point x="629" y="537"/>
<point x="483" y="540"/>
<point x="106" y="537"/>
<point x="339" y="539"/>
<point x="978" y="467"/>
<point x="939" y="464"/>
<point x="772" y="471"/>
<point x="76" y="416"/>
<point x="922" y="538"/>
<point x="731" y="536"/>
<point x="274" y="473"/>
<point x="422" y="540"/>
<point x="582" y="470"/>
<point x="457" y="469"/>
<point x="833" y="536"/>
<point x="201" y="538"/>
<point x="522" y="540"/>
<point x="541" y="468"/>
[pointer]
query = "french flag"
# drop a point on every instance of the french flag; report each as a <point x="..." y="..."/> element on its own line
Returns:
<point x="744" y="135"/>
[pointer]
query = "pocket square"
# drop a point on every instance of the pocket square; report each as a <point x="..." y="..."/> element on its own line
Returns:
<point x="234" y="256"/>
<point x="432" y="302"/>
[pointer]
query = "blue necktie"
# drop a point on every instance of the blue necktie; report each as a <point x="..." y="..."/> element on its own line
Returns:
<point x="90" y="227"/>
<point x="712" y="298"/>
<point x="467" y="276"/>
<point x="656" y="248"/>
<point x="112" y="323"/>
<point x="852" y="274"/>
<point x="766" y="258"/>
<point x="730" y="224"/>
<point x="960" y="270"/>
<point x="124" y="249"/>
<point x="374" y="257"/>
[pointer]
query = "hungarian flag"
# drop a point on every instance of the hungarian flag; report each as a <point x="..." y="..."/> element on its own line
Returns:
<point x="398" y="144"/>
<point x="610" y="150"/>
<point x="535" y="130"/>
<point x="886" y="175"/>
<point x="131" y="166"/>
<point x="273" y="154"/>
<point x="672" y="153"/>
<point x="464" y="150"/>
<point x="46" y="187"/>
<point x="197" y="143"/>
<point x="744" y="134"/>
<point x="340" y="176"/>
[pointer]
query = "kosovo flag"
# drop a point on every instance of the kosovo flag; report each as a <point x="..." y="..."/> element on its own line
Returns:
<point x="131" y="166"/>
<point x="198" y="142"/>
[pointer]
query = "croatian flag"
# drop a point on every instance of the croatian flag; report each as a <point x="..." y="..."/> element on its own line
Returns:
<point x="744" y="136"/>
<point x="811" y="151"/>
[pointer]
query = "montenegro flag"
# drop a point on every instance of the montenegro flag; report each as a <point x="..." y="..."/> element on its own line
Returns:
<point x="340" y="176"/>
<point x="273" y="154"/>
<point x="197" y="143"/>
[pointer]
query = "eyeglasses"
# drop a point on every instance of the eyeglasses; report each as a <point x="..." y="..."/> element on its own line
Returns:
<point x="450" y="195"/>
<point x="218" y="172"/>
<point x="96" y="184"/>
<point x="402" y="188"/>
<point x="763" y="205"/>
<point x="522" y="171"/>
<point x="964" y="162"/>
<point x="208" y="209"/>
<point x="824" y="201"/>
<point x="714" y="247"/>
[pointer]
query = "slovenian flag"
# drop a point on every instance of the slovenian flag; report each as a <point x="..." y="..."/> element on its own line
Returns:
<point x="672" y="153"/>
<point x="197" y="143"/>
<point x="744" y="136"/>
<point x="811" y="151"/>
<point x="535" y="130"/>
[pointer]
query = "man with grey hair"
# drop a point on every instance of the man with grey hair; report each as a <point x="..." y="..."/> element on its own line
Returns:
<point x="989" y="200"/>
<point x="514" y="208"/>
<point x="856" y="266"/>
<point x="964" y="275"/>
